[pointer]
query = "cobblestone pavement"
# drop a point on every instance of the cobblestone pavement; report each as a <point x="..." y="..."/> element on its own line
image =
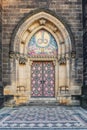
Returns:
<point x="43" y="118"/>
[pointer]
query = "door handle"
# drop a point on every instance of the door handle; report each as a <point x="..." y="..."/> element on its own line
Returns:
<point x="42" y="81"/>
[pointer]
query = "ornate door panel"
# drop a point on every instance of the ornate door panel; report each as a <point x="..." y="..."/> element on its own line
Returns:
<point x="36" y="79"/>
<point x="43" y="79"/>
<point x="48" y="78"/>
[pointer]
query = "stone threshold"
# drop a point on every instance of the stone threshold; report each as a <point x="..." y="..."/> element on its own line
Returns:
<point x="43" y="101"/>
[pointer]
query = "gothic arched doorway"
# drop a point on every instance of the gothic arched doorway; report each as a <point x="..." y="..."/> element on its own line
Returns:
<point x="42" y="49"/>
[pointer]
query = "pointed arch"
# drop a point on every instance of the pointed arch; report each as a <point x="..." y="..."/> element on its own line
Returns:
<point x="25" y="30"/>
<point x="38" y="29"/>
<point x="59" y="26"/>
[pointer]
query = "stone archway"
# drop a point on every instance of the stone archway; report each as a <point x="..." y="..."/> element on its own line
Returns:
<point x="21" y="78"/>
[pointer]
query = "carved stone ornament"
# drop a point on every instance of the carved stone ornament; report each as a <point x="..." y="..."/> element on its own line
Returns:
<point x="22" y="60"/>
<point x="62" y="42"/>
<point x="22" y="42"/>
<point x="17" y="55"/>
<point x="73" y="54"/>
<point x="29" y="31"/>
<point x="62" y="60"/>
<point x="39" y="56"/>
<point x="42" y="21"/>
<point x="54" y="62"/>
<point x="55" y="29"/>
<point x="11" y="54"/>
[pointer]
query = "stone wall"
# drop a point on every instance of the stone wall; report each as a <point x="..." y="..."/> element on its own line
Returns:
<point x="1" y="89"/>
<point x="85" y="40"/>
<point x="13" y="11"/>
<point x="0" y="44"/>
<point x="84" y="88"/>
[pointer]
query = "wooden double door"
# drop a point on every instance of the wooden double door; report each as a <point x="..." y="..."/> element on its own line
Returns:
<point x="43" y="79"/>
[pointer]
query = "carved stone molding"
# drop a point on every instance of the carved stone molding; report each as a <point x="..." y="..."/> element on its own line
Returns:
<point x="43" y="59"/>
<point x="73" y="54"/>
<point x="38" y="56"/>
<point x="14" y="55"/>
<point x="55" y="29"/>
<point x="62" y="42"/>
<point x="23" y="42"/>
<point x="29" y="30"/>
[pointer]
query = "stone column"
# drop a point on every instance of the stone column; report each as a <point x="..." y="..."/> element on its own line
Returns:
<point x="13" y="74"/>
<point x="29" y="78"/>
<point x="62" y="75"/>
<point x="68" y="73"/>
<point x="72" y="83"/>
<point x="56" y="77"/>
<point x="68" y="79"/>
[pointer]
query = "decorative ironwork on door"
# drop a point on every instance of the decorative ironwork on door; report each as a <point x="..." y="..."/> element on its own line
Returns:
<point x="43" y="79"/>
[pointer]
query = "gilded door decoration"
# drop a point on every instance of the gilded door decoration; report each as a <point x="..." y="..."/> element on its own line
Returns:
<point x="43" y="79"/>
<point x="42" y="43"/>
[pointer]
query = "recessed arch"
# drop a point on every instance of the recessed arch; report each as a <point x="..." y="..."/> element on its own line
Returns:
<point x="31" y="24"/>
<point x="37" y="15"/>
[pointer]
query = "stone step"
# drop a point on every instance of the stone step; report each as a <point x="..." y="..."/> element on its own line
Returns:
<point x="43" y="99"/>
<point x="43" y="103"/>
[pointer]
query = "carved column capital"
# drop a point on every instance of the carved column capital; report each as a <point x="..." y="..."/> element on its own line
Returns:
<point x="22" y="60"/>
<point x="11" y="54"/>
<point x="62" y="60"/>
